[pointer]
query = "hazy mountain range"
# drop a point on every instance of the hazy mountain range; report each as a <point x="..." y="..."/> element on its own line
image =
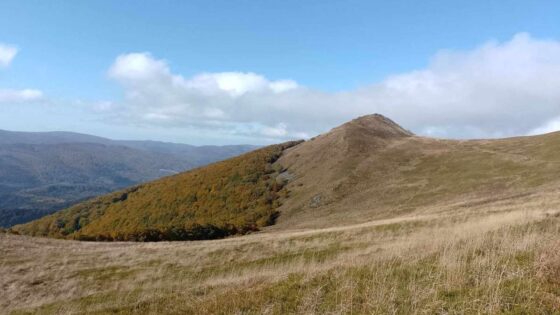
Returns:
<point x="41" y="172"/>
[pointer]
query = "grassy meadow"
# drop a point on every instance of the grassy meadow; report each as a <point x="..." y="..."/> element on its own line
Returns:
<point x="495" y="257"/>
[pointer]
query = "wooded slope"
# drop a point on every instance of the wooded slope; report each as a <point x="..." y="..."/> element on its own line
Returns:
<point x="229" y="197"/>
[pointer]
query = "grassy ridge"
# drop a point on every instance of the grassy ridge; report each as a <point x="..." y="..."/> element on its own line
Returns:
<point x="358" y="178"/>
<point x="230" y="197"/>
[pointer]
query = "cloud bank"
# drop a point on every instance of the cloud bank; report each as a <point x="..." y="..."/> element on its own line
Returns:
<point x="495" y="90"/>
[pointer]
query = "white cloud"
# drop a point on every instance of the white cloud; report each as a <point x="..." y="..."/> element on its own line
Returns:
<point x="283" y="86"/>
<point x="7" y="54"/>
<point x="154" y="95"/>
<point x="494" y="90"/>
<point x="141" y="69"/>
<point x="237" y="83"/>
<point x="20" y="96"/>
<point x="138" y="67"/>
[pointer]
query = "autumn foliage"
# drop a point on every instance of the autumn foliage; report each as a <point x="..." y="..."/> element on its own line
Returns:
<point x="235" y="196"/>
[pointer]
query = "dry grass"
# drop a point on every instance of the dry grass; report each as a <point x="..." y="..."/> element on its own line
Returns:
<point x="496" y="256"/>
<point x="351" y="175"/>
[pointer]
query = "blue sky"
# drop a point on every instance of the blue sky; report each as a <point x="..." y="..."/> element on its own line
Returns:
<point x="338" y="56"/>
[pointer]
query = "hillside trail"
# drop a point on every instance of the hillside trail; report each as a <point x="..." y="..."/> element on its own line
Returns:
<point x="368" y="224"/>
<point x="264" y="235"/>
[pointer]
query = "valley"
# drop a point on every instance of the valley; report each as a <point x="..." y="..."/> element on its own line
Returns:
<point x="42" y="172"/>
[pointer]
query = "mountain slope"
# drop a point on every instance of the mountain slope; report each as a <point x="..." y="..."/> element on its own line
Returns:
<point x="367" y="169"/>
<point x="370" y="168"/>
<point x="234" y="196"/>
<point x="44" y="172"/>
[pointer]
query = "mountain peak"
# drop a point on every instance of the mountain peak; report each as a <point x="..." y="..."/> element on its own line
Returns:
<point x="378" y="125"/>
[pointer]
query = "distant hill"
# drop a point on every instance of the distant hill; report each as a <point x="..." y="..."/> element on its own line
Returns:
<point x="44" y="172"/>
<point x="52" y="137"/>
<point x="369" y="168"/>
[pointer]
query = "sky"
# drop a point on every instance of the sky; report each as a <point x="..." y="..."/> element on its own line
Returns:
<point x="259" y="72"/>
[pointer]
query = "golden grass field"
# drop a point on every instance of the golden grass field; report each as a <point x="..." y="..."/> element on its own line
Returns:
<point x="502" y="256"/>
